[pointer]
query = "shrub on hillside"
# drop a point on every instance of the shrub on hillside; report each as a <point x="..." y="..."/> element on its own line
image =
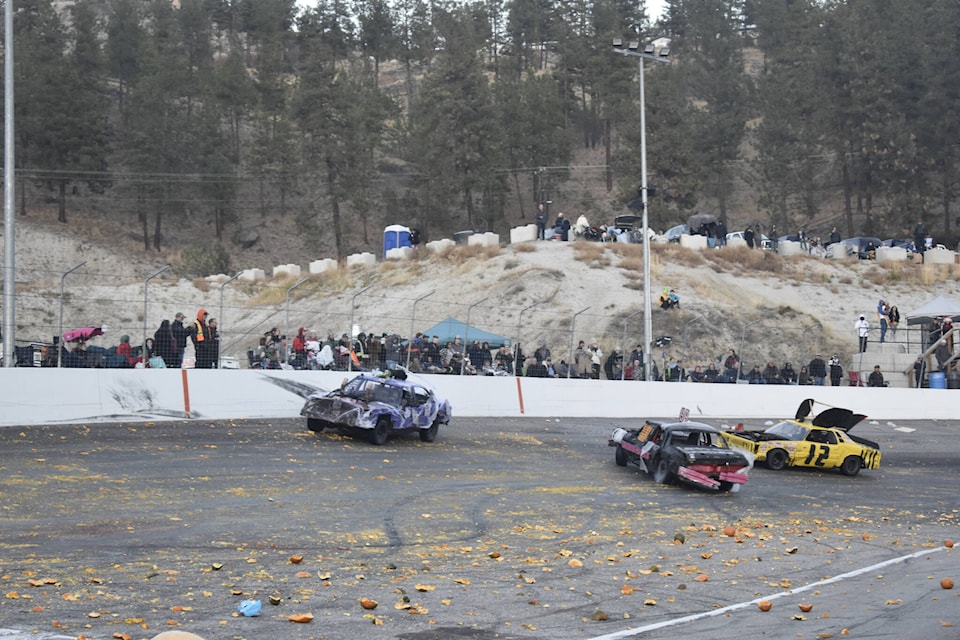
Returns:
<point x="202" y="261"/>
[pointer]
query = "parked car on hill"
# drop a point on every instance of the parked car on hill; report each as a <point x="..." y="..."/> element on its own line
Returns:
<point x="380" y="407"/>
<point x="673" y="233"/>
<point x="764" y="240"/>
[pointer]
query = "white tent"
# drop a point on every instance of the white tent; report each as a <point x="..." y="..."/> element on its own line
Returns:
<point x="939" y="307"/>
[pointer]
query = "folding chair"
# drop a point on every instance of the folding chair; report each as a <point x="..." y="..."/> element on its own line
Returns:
<point x="855" y="380"/>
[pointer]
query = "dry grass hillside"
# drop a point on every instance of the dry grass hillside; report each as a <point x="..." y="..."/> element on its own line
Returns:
<point x="779" y="308"/>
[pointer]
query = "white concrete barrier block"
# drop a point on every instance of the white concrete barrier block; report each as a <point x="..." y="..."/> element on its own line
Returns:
<point x="838" y="251"/>
<point x="693" y="241"/>
<point x="282" y="270"/>
<point x="365" y="259"/>
<point x="492" y="239"/>
<point x="526" y="233"/>
<point x="399" y="253"/>
<point x="891" y="254"/>
<point x="939" y="256"/>
<point x="323" y="265"/>
<point x="253" y="275"/>
<point x="790" y="248"/>
<point x="736" y="242"/>
<point x="440" y="245"/>
<point x="487" y="239"/>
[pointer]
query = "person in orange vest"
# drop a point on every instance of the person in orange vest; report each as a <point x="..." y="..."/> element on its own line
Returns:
<point x="200" y="334"/>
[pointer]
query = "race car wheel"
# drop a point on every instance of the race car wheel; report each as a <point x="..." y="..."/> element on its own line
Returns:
<point x="315" y="425"/>
<point x="429" y="435"/>
<point x="776" y="459"/>
<point x="661" y="473"/>
<point x="726" y="486"/>
<point x="380" y="432"/>
<point x="620" y="456"/>
<point x="851" y="466"/>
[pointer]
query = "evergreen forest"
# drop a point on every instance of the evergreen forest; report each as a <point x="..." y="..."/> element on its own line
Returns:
<point x="195" y="119"/>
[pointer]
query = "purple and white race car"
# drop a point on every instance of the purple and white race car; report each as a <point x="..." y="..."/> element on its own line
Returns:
<point x="379" y="406"/>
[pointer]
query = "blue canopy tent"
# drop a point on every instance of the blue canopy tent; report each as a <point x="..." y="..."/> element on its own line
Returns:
<point x="450" y="328"/>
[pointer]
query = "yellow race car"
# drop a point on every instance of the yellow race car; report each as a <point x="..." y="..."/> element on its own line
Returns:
<point x="823" y="443"/>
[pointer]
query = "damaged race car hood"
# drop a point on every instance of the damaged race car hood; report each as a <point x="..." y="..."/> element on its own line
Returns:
<point x="714" y="455"/>
<point x="843" y="419"/>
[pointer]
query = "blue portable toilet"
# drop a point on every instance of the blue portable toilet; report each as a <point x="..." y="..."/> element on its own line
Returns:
<point x="395" y="236"/>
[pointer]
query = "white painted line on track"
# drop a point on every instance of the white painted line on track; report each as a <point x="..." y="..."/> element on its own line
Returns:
<point x="904" y="429"/>
<point x="742" y="605"/>
<point x="13" y="634"/>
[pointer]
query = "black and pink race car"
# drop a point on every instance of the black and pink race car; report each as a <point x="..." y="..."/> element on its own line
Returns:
<point x="687" y="452"/>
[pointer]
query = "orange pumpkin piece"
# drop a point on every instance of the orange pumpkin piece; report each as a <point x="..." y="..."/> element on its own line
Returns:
<point x="806" y="608"/>
<point x="946" y="583"/>
<point x="301" y="618"/>
<point x="730" y="531"/>
<point x="764" y="605"/>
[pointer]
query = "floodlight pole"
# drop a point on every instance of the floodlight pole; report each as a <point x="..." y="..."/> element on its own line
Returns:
<point x="573" y="330"/>
<point x="516" y="350"/>
<point x="59" y="345"/>
<point x="220" y="317"/>
<point x="144" y="341"/>
<point x="648" y="54"/>
<point x="413" y="319"/>
<point x="9" y="201"/>
<point x="466" y="334"/>
<point x="353" y="307"/>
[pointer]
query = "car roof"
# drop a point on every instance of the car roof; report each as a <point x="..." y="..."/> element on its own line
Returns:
<point x="394" y="382"/>
<point x="690" y="426"/>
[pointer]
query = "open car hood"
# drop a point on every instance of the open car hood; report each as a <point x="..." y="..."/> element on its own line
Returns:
<point x="842" y="419"/>
<point x="835" y="417"/>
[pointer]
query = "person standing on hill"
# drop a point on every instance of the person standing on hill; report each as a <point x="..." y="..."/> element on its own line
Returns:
<point x="836" y="370"/>
<point x="920" y="236"/>
<point x="863" y="328"/>
<point x="199" y="334"/>
<point x="883" y="313"/>
<point x="181" y="334"/>
<point x="541" y="219"/>
<point x="834" y="236"/>
<point x="165" y="345"/>
<point x="748" y="237"/>
<point x="817" y="369"/>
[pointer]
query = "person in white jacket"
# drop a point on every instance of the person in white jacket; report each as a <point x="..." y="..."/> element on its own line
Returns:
<point x="863" y="328"/>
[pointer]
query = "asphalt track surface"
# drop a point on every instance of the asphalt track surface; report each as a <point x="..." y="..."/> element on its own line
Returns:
<point x="501" y="529"/>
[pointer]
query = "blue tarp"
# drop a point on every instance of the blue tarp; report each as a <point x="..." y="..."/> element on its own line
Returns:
<point x="450" y="328"/>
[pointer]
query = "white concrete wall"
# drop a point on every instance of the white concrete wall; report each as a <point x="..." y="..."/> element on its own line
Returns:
<point x="323" y="265"/>
<point x="286" y="270"/>
<point x="440" y="245"/>
<point x="252" y="275"/>
<point x="488" y="239"/>
<point x="42" y="396"/>
<point x="526" y="233"/>
<point x="365" y="259"/>
<point x="399" y="253"/>
<point x="736" y="242"/>
<point x="891" y="254"/>
<point x="939" y="256"/>
<point x="790" y="248"/>
<point x="693" y="241"/>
